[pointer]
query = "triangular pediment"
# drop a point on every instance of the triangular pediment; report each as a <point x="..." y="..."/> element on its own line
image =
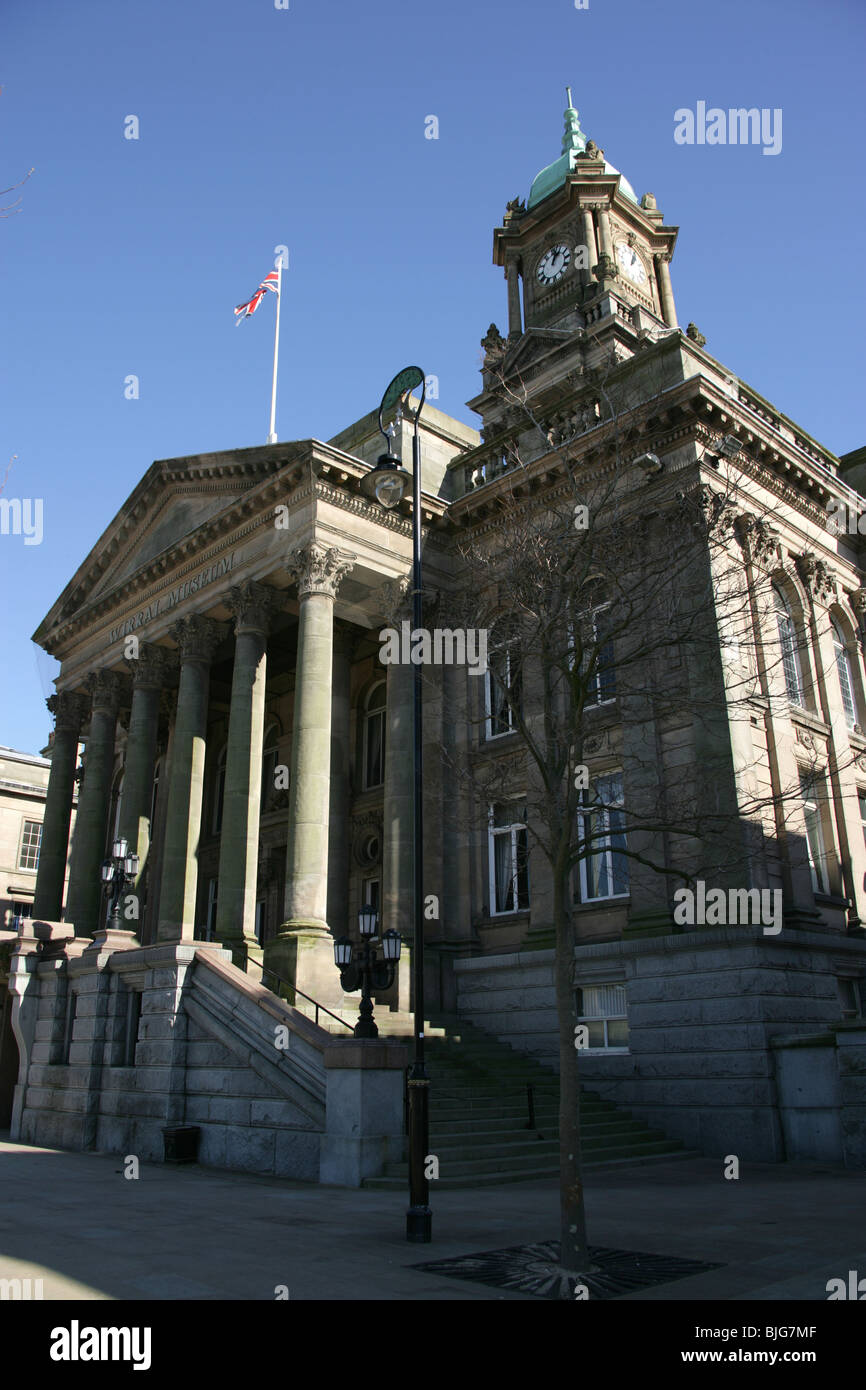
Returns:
<point x="535" y="344"/>
<point x="176" y="499"/>
<point x="180" y="512"/>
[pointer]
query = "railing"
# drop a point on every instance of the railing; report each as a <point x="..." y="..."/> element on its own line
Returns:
<point x="294" y="989"/>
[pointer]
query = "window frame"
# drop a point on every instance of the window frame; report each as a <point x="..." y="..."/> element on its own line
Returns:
<point x="369" y="715"/>
<point x="29" y="868"/>
<point x="843" y="664"/>
<point x="489" y="715"/>
<point x="789" y="648"/>
<point x="519" y="857"/>
<point x="605" y="846"/>
<point x="813" y="817"/>
<point x="605" y="1018"/>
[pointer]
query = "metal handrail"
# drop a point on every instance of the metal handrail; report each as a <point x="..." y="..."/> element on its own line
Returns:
<point x="266" y="970"/>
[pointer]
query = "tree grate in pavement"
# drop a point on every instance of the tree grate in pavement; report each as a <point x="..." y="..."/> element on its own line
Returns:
<point x="534" y="1269"/>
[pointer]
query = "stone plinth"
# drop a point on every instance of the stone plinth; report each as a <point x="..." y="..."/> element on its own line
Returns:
<point x="364" y="1109"/>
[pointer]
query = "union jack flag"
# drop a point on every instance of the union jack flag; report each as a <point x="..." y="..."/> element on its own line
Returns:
<point x="243" y="311"/>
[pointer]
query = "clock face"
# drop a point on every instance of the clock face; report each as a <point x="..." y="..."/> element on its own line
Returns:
<point x="553" y="265"/>
<point x="631" y="263"/>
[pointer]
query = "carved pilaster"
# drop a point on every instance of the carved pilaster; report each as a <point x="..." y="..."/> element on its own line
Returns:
<point x="760" y="539"/>
<point x="817" y="576"/>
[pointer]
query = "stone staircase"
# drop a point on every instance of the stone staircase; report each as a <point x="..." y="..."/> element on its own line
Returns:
<point x="479" y="1116"/>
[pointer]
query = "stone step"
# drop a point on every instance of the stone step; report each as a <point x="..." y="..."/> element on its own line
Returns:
<point x="545" y="1158"/>
<point x="539" y="1175"/>
<point x="545" y="1154"/>
<point x="447" y="1139"/>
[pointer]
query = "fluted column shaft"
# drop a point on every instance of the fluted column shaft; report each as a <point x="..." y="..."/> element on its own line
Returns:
<point x="197" y="638"/>
<point x="94" y="801"/>
<point x="68" y="711"/>
<point x="252" y="605"/>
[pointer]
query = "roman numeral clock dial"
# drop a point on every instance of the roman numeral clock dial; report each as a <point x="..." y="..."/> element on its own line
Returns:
<point x="553" y="265"/>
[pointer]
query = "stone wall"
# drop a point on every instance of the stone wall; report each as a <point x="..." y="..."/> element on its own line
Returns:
<point x="121" y="1041"/>
<point x="702" y="1009"/>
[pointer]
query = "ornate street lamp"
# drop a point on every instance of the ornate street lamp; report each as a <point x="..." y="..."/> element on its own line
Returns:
<point x="361" y="966"/>
<point x="388" y="483"/>
<point x="118" y="873"/>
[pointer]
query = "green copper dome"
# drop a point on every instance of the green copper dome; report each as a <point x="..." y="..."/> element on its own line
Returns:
<point x="573" y="144"/>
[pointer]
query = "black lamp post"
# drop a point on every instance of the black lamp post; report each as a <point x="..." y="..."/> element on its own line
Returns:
<point x="361" y="966"/>
<point x="118" y="873"/>
<point x="388" y="483"/>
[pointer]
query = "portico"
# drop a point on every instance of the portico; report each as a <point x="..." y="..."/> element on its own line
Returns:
<point x="215" y="652"/>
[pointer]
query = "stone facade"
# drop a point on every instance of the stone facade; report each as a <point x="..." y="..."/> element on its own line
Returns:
<point x="220" y="650"/>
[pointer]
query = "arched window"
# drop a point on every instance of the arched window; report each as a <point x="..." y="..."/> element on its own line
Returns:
<point x="270" y="759"/>
<point x="374" y="737"/>
<point x="845" y="674"/>
<point x="219" y="791"/>
<point x="788" y="648"/>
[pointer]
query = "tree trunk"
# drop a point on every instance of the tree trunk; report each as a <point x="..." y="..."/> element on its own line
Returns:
<point x="575" y="1254"/>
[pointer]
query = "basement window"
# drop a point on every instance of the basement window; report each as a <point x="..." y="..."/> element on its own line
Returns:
<point x="602" y="1008"/>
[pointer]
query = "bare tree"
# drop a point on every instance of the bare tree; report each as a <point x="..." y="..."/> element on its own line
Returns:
<point x="622" y="635"/>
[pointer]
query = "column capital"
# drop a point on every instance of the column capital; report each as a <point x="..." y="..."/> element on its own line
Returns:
<point x="253" y="606"/>
<point x="107" y="688"/>
<point x="154" y="668"/>
<point x="197" y="637"/>
<point x="319" y="569"/>
<point x="393" y="598"/>
<point x="69" y="709"/>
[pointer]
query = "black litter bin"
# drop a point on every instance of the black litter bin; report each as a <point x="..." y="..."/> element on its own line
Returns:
<point x="181" y="1143"/>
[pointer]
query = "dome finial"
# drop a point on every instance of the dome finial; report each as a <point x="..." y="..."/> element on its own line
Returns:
<point x="573" y="138"/>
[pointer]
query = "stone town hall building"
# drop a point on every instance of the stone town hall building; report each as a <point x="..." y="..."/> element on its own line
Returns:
<point x="219" y="659"/>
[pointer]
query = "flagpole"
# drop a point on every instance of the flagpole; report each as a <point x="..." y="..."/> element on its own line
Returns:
<point x="272" y="437"/>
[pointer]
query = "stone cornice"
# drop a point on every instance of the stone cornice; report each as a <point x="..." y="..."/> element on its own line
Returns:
<point x="707" y="413"/>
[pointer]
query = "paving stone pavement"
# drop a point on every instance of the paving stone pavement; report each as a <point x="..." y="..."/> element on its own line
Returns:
<point x="181" y="1233"/>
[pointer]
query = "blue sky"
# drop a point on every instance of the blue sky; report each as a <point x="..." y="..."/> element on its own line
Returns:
<point x="305" y="127"/>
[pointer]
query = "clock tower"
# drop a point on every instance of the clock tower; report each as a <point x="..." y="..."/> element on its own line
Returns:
<point x="587" y="268"/>
<point x="583" y="250"/>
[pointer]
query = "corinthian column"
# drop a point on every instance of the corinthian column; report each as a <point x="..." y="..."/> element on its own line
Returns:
<point x="91" y="822"/>
<point x="252" y="605"/>
<point x="68" y="711"/>
<point x="318" y="572"/>
<point x="152" y="671"/>
<point x="198" y="638"/>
